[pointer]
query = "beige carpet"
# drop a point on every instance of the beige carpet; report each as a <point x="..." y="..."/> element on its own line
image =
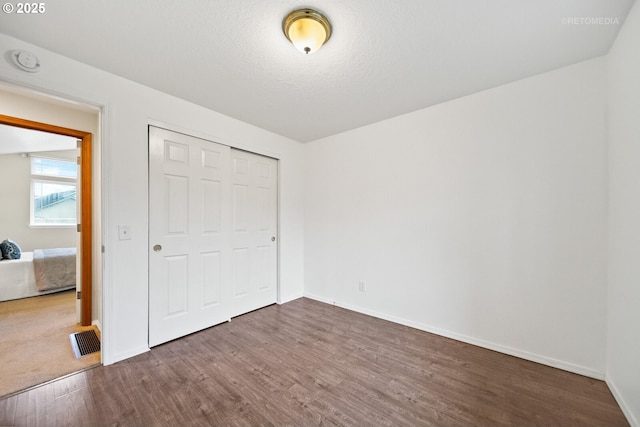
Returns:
<point x="34" y="341"/>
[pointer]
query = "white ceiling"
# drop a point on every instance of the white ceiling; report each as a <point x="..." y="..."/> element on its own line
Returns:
<point x="19" y="140"/>
<point x="384" y="58"/>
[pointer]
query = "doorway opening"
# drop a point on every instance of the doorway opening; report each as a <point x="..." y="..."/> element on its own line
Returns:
<point x="85" y="217"/>
<point x="58" y="186"/>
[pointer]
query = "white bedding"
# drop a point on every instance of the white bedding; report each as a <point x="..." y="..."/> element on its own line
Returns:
<point x="17" y="279"/>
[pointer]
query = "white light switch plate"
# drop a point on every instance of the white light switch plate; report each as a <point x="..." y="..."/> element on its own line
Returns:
<point x="124" y="232"/>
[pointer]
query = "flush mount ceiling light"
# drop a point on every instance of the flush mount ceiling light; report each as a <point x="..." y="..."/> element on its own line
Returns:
<point x="307" y="29"/>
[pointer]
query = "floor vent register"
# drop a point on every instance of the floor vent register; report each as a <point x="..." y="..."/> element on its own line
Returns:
<point x="84" y="343"/>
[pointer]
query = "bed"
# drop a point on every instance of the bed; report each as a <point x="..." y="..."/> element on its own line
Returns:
<point x="40" y="272"/>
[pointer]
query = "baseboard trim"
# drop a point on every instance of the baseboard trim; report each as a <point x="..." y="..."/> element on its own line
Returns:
<point x="125" y="355"/>
<point x="288" y="298"/>
<point x="621" y="402"/>
<point x="97" y="324"/>
<point x="544" y="360"/>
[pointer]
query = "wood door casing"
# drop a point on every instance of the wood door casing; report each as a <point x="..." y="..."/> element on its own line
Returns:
<point x="86" y="213"/>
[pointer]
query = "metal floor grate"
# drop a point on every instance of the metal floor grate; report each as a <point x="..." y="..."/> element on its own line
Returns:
<point x="84" y="343"/>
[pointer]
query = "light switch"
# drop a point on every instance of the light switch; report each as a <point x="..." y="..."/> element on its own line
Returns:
<point x="124" y="232"/>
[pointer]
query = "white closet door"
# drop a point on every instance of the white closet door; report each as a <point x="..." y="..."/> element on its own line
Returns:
<point x="254" y="221"/>
<point x="189" y="239"/>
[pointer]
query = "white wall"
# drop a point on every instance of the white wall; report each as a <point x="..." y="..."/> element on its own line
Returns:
<point x="16" y="205"/>
<point x="482" y="219"/>
<point x="128" y="110"/>
<point x="623" y="347"/>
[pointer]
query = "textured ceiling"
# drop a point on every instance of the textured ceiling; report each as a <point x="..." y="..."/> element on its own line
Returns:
<point x="384" y="58"/>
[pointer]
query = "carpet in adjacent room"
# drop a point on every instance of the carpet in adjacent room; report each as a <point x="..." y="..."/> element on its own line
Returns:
<point x="34" y="341"/>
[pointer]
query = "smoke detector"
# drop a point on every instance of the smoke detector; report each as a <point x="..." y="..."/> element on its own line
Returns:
<point x="25" y="60"/>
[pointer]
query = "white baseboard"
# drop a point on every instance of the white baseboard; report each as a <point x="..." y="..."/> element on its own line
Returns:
<point x="621" y="402"/>
<point x="549" y="361"/>
<point x="97" y="324"/>
<point x="288" y="298"/>
<point x="125" y="355"/>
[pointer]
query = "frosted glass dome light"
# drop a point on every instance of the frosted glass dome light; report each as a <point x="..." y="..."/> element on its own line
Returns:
<point x="307" y="29"/>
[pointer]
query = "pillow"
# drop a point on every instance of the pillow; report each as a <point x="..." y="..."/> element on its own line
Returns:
<point x="10" y="249"/>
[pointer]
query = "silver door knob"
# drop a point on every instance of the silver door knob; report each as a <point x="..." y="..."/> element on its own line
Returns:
<point x="273" y="239"/>
<point x="157" y="248"/>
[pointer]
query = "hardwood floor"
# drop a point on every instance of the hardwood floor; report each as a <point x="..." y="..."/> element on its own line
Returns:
<point x="308" y="363"/>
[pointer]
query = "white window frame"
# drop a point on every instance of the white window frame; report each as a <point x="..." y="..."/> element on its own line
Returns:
<point x="49" y="179"/>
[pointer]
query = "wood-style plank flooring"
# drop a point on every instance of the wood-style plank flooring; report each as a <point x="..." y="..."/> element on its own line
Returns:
<point x="307" y="363"/>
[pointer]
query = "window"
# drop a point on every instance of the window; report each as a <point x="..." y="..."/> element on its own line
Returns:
<point x="53" y="192"/>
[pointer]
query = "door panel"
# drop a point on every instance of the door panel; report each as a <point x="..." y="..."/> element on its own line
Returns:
<point x="211" y="194"/>
<point x="212" y="291"/>
<point x="265" y="270"/>
<point x="213" y="221"/>
<point x="240" y="207"/>
<point x="254" y="180"/>
<point x="241" y="272"/>
<point x="177" y="282"/>
<point x="177" y="207"/>
<point x="187" y="201"/>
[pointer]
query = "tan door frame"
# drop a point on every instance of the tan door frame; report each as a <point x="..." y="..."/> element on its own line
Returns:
<point x="85" y="207"/>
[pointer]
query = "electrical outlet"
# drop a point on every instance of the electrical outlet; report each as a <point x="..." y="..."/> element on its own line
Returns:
<point x="362" y="286"/>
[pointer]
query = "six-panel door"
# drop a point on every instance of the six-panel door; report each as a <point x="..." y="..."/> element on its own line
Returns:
<point x="202" y="196"/>
<point x="254" y="224"/>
